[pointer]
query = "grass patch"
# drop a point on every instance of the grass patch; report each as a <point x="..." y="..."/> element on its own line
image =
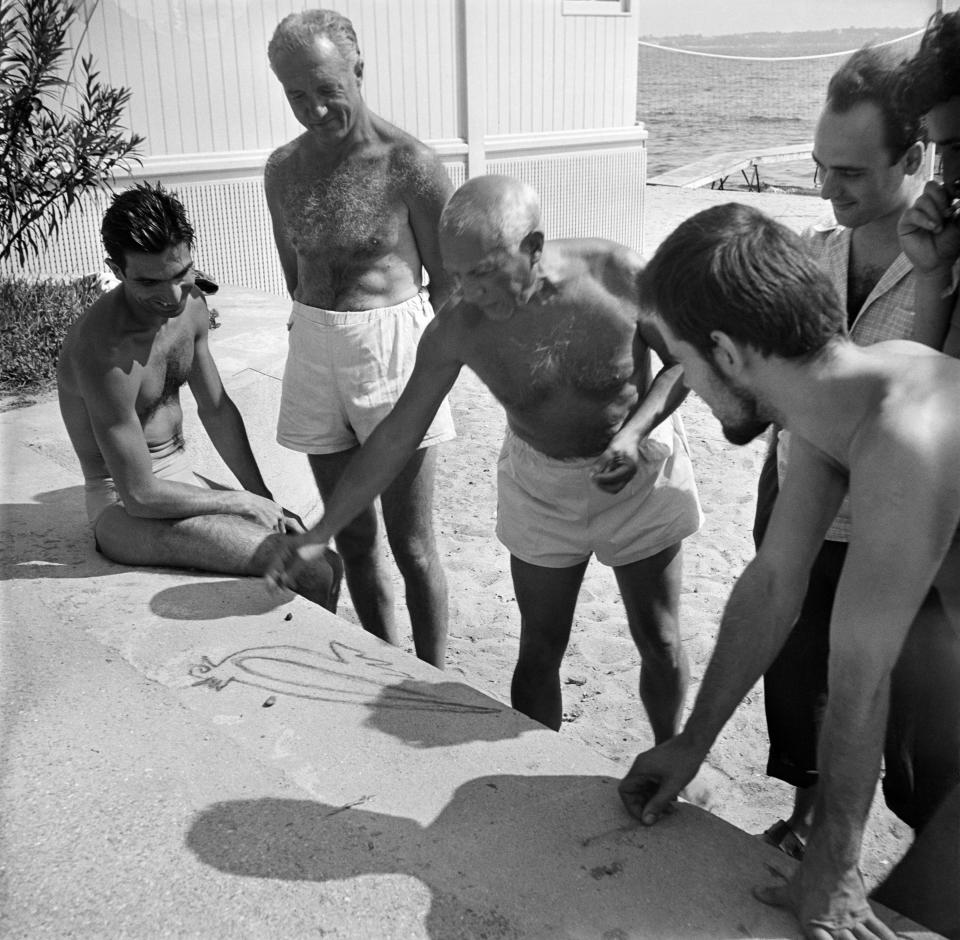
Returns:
<point x="34" y="318"/>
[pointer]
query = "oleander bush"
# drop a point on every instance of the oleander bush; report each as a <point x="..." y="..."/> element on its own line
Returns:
<point x="34" y="318"/>
<point x="61" y="129"/>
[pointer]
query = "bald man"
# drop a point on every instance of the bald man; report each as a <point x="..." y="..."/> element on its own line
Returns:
<point x="594" y="461"/>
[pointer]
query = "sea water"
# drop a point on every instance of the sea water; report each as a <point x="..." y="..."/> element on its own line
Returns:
<point x="695" y="105"/>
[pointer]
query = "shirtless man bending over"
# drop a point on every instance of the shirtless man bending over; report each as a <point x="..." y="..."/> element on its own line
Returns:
<point x="761" y="336"/>
<point x="119" y="376"/>
<point x="594" y="460"/>
<point x="355" y="204"/>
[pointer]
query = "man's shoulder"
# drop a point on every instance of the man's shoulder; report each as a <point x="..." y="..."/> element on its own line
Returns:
<point x="88" y="346"/>
<point x="608" y="262"/>
<point x="408" y="155"/>
<point x="599" y="251"/>
<point x="93" y="322"/>
<point x="281" y="160"/>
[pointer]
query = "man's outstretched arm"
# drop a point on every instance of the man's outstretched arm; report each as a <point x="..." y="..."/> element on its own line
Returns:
<point x="381" y="458"/>
<point x="904" y="506"/>
<point x="761" y="611"/>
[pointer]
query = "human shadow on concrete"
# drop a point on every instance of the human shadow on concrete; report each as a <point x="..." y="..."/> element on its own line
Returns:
<point x="213" y="598"/>
<point x="508" y="856"/>
<point x="50" y="538"/>
<point x="442" y="727"/>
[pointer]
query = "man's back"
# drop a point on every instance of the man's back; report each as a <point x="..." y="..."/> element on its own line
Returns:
<point x="915" y="395"/>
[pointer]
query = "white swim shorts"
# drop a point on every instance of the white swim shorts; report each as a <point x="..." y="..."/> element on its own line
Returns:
<point x="345" y="371"/>
<point x="551" y="514"/>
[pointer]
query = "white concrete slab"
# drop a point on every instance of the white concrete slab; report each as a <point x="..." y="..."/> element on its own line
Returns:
<point x="186" y="754"/>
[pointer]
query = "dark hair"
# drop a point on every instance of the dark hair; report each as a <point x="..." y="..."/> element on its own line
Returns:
<point x="932" y="76"/>
<point x="733" y="269"/>
<point x="145" y="218"/>
<point x="298" y="30"/>
<point x="871" y="75"/>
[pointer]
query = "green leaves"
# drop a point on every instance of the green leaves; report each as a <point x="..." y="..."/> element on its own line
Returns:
<point x="34" y="318"/>
<point x="51" y="153"/>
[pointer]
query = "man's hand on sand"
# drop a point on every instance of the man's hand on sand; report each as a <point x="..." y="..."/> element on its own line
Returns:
<point x="290" y="555"/>
<point x="657" y="777"/>
<point x="828" y="907"/>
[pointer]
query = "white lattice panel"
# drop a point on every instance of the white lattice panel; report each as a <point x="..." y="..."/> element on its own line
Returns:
<point x="592" y="194"/>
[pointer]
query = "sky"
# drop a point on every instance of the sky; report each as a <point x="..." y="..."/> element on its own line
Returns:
<point x="713" y="17"/>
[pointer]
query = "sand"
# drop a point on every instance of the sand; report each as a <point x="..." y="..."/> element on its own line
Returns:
<point x="601" y="706"/>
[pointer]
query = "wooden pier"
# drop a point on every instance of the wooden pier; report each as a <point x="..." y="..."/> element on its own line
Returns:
<point x="715" y="169"/>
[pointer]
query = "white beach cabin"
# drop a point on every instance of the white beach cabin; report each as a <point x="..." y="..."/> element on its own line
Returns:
<point x="545" y="90"/>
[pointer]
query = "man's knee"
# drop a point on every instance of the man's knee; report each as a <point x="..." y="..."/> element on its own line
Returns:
<point x="357" y="542"/>
<point x="414" y="552"/>
<point x="118" y="537"/>
<point x="540" y="649"/>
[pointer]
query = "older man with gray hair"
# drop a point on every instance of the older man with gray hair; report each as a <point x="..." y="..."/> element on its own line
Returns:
<point x="355" y="204"/>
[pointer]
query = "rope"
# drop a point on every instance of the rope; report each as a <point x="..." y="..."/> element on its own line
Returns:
<point x="785" y="58"/>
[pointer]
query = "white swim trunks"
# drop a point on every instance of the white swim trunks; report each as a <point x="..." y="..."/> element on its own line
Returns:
<point x="345" y="371"/>
<point x="551" y="514"/>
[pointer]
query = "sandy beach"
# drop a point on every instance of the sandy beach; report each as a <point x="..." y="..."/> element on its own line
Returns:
<point x="600" y="671"/>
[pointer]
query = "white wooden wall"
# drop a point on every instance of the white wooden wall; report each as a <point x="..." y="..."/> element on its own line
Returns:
<point x="201" y="83"/>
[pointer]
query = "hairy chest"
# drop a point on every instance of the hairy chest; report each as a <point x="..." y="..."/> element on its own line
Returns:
<point x="351" y="213"/>
<point x="163" y="371"/>
<point x="532" y="362"/>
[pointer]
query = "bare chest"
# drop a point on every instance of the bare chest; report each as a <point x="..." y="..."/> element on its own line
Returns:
<point x="162" y="374"/>
<point x="537" y="362"/>
<point x="352" y="212"/>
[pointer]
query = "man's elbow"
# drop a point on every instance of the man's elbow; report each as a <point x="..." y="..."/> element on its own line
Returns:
<point x="142" y="505"/>
<point x="775" y="589"/>
<point x="144" y="500"/>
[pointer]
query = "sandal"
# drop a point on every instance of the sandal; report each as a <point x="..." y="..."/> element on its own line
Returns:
<point x="782" y="837"/>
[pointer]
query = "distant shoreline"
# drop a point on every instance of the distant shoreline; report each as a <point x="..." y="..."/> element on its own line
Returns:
<point x="799" y="43"/>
